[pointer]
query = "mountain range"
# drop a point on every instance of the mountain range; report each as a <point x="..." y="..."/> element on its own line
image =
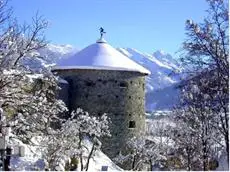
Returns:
<point x="161" y="92"/>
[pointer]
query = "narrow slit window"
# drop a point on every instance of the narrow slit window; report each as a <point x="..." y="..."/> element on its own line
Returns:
<point x="123" y="84"/>
<point x="132" y="124"/>
<point x="89" y="83"/>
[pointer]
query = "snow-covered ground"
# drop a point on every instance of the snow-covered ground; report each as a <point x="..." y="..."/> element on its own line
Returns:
<point x="223" y="165"/>
<point x="33" y="161"/>
<point x="100" y="160"/>
<point x="29" y="161"/>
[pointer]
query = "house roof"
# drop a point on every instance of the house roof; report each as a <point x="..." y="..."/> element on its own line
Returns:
<point x="100" y="56"/>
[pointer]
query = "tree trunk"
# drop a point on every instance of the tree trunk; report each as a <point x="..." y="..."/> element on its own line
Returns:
<point x="188" y="161"/>
<point x="227" y="134"/>
<point x="90" y="155"/>
<point x="151" y="165"/>
<point x="17" y="59"/>
<point x="81" y="161"/>
<point x="227" y="148"/>
<point x="80" y="147"/>
<point x="204" y="158"/>
<point x="133" y="163"/>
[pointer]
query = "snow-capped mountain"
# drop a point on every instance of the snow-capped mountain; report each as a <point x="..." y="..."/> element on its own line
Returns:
<point x="165" y="71"/>
<point x="49" y="56"/>
<point x="161" y="92"/>
<point x="167" y="59"/>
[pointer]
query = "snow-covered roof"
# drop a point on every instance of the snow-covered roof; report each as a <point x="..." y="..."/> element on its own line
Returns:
<point x="100" y="56"/>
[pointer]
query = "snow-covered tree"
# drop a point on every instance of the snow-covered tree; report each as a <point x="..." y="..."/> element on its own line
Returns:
<point x="195" y="132"/>
<point x="192" y="143"/>
<point x="134" y="156"/>
<point x="92" y="128"/>
<point x="159" y="144"/>
<point x="38" y="119"/>
<point x="19" y="40"/>
<point x="30" y="105"/>
<point x="78" y="137"/>
<point x="142" y="154"/>
<point x="204" y="100"/>
<point x="28" y="100"/>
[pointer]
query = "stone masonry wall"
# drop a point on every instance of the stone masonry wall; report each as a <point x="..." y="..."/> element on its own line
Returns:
<point x="120" y="94"/>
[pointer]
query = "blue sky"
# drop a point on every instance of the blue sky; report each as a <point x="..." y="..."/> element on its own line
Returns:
<point x="146" y="25"/>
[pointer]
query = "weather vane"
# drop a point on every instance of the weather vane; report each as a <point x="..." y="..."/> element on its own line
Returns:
<point x="102" y="32"/>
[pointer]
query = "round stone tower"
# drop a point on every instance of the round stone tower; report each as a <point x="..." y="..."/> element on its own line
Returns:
<point x="103" y="80"/>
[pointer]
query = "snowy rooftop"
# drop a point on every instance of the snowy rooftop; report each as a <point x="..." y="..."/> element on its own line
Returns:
<point x="100" y="55"/>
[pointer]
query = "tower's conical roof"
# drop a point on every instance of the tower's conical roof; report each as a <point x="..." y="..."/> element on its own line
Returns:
<point x="101" y="56"/>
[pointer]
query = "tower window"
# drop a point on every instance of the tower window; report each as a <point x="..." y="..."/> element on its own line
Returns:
<point x="132" y="124"/>
<point x="99" y="95"/>
<point x="123" y="84"/>
<point x="116" y="96"/>
<point x="89" y="83"/>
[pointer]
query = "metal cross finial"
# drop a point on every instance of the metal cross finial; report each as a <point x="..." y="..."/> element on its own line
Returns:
<point x="102" y="31"/>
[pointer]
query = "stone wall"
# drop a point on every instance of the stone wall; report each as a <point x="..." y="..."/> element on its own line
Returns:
<point x="64" y="92"/>
<point x="120" y="94"/>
